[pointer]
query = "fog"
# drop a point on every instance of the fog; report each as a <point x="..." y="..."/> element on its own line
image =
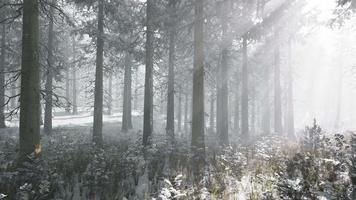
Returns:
<point x="177" y="99"/>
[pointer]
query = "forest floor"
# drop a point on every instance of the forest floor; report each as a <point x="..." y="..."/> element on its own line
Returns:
<point x="264" y="167"/>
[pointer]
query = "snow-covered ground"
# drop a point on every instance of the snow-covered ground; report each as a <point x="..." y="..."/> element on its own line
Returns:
<point x="82" y="119"/>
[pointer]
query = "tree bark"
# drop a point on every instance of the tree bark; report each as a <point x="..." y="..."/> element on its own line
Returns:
<point x="237" y="109"/>
<point x="186" y="113"/>
<point x="198" y="141"/>
<point x="98" y="98"/>
<point x="74" y="77"/>
<point x="30" y="81"/>
<point x="136" y="91"/>
<point x="212" y="113"/>
<point x="13" y="101"/>
<point x="67" y="108"/>
<point x="2" y="77"/>
<point x="266" y="118"/>
<point x="277" y="93"/>
<point x="222" y="124"/>
<point x="290" y="101"/>
<point x="127" y="114"/>
<point x="49" y="82"/>
<point x="148" y="99"/>
<point x="180" y="110"/>
<point x="244" y="94"/>
<point x="253" y="108"/>
<point x="171" y="75"/>
<point x="110" y="94"/>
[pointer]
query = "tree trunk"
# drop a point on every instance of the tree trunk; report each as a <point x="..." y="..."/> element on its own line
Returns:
<point x="180" y="110"/>
<point x="127" y="114"/>
<point x="74" y="77"/>
<point x="198" y="143"/>
<point x="67" y="108"/>
<point x="13" y="101"/>
<point x="98" y="98"/>
<point x="49" y="82"/>
<point x="186" y="114"/>
<point x="30" y="81"/>
<point x="266" y="116"/>
<point x="244" y="94"/>
<point x="253" y="107"/>
<point x="2" y="78"/>
<point x="110" y="94"/>
<point x="148" y="99"/>
<point x="222" y="122"/>
<point x="237" y="110"/>
<point x="136" y="91"/>
<point x="290" y="103"/>
<point x="212" y="112"/>
<point x="171" y="76"/>
<point x="277" y="93"/>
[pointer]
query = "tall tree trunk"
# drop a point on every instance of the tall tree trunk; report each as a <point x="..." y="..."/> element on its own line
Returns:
<point x="180" y="110"/>
<point x="171" y="75"/>
<point x="49" y="85"/>
<point x="277" y="93"/>
<point x="253" y="107"/>
<point x="148" y="99"/>
<point x="290" y="103"/>
<point x="244" y="94"/>
<point x="222" y="122"/>
<point x="186" y="113"/>
<point x="30" y="81"/>
<point x="67" y="108"/>
<point x="110" y="94"/>
<point x="198" y="141"/>
<point x="237" y="109"/>
<point x="266" y="115"/>
<point x="98" y="98"/>
<point x="136" y="90"/>
<point x="212" y="112"/>
<point x="74" y="77"/>
<point x="2" y="77"/>
<point x="13" y="101"/>
<point x="127" y="114"/>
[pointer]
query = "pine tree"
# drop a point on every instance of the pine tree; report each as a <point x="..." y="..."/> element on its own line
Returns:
<point x="148" y="99"/>
<point x="198" y="143"/>
<point x="98" y="98"/>
<point x="30" y="81"/>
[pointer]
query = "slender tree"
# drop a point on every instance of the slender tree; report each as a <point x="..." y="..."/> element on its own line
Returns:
<point x="171" y="75"/>
<point x="67" y="108"/>
<point x="266" y="116"/>
<point x="110" y="93"/>
<point x="49" y="82"/>
<point x="212" y="112"/>
<point x="237" y="108"/>
<point x="148" y="99"/>
<point x="253" y="107"/>
<point x="30" y="81"/>
<point x="98" y="98"/>
<point x="2" y="77"/>
<point x="244" y="94"/>
<point x="127" y="114"/>
<point x="277" y="92"/>
<point x="74" y="77"/>
<point x="198" y="143"/>
<point x="222" y="124"/>
<point x="179" y="114"/>
<point x="186" y="113"/>
<point x="290" y="103"/>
